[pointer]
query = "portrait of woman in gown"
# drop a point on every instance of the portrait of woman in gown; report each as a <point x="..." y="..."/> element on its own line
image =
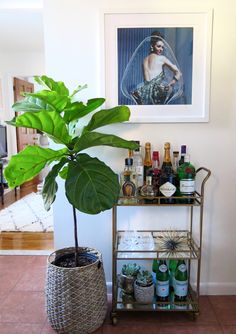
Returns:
<point x="149" y="72"/>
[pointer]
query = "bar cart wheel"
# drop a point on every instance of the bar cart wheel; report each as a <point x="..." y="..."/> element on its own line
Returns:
<point x="114" y="319"/>
<point x="194" y="315"/>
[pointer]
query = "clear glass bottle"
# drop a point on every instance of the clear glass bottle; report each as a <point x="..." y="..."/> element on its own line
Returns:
<point x="186" y="179"/>
<point x="147" y="163"/>
<point x="155" y="172"/>
<point x="183" y="151"/>
<point x="147" y="191"/>
<point x="181" y="283"/>
<point x="162" y="283"/>
<point x="175" y="161"/>
<point x="138" y="165"/>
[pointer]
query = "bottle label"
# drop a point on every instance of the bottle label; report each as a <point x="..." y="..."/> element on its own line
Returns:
<point x="163" y="268"/>
<point x="182" y="268"/>
<point x="167" y="189"/>
<point x="162" y="288"/>
<point x="181" y="288"/>
<point x="187" y="186"/>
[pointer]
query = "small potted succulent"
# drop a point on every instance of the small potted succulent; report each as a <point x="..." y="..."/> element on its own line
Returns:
<point x="128" y="275"/>
<point x="144" y="287"/>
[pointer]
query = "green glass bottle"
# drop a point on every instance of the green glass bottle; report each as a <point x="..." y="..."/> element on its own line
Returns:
<point x="186" y="180"/>
<point x="181" y="283"/>
<point x="162" y="283"/>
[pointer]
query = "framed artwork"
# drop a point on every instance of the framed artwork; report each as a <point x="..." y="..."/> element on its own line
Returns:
<point x="159" y="65"/>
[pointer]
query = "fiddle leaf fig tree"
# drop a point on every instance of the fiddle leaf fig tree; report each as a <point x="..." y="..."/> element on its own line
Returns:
<point x="90" y="185"/>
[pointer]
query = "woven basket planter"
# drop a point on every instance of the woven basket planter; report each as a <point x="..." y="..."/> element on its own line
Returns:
<point x="76" y="298"/>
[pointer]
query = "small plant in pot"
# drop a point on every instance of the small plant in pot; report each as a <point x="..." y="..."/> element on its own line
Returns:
<point x="144" y="287"/>
<point x="75" y="286"/>
<point x="127" y="277"/>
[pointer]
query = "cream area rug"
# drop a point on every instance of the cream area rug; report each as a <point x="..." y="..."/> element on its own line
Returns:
<point x="26" y="215"/>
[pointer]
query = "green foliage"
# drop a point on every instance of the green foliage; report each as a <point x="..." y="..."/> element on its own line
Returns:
<point x="144" y="278"/>
<point x="91" y="186"/>
<point x="130" y="269"/>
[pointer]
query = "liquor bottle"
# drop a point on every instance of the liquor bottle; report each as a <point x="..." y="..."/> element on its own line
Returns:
<point x="155" y="172"/>
<point x="186" y="179"/>
<point x="138" y="165"/>
<point x="147" y="190"/>
<point x="167" y="178"/>
<point x="128" y="180"/>
<point x="162" y="283"/>
<point x="181" y="283"/>
<point x="182" y="154"/>
<point x="175" y="161"/>
<point x="147" y="163"/>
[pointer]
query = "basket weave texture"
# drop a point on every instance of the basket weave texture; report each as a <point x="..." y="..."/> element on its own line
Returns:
<point x="76" y="298"/>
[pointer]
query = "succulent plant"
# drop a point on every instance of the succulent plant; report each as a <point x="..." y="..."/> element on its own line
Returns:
<point x="130" y="269"/>
<point x="144" y="278"/>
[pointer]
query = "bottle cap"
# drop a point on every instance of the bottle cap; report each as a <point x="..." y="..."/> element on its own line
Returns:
<point x="128" y="162"/>
<point x="148" y="145"/>
<point x="167" y="145"/>
<point x="155" y="155"/>
<point x="183" y="149"/>
<point x="175" y="153"/>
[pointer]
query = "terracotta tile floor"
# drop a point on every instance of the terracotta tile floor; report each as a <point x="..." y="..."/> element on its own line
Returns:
<point x="22" y="309"/>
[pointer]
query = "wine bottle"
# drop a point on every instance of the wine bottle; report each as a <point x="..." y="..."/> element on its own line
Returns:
<point x="182" y="154"/>
<point x="167" y="178"/>
<point x="181" y="284"/>
<point x="155" y="172"/>
<point x="186" y="179"/>
<point x="147" y="163"/>
<point x="162" y="283"/>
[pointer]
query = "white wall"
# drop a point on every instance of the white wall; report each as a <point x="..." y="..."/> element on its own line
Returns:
<point x="73" y="45"/>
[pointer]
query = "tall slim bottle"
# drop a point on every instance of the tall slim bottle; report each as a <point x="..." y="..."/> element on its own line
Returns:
<point x="138" y="166"/>
<point x="181" y="283"/>
<point x="155" y="172"/>
<point x="167" y="178"/>
<point x="147" y="163"/>
<point x="183" y="151"/>
<point x="186" y="179"/>
<point x="162" y="283"/>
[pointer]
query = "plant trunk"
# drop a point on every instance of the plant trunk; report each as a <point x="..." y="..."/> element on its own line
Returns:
<point x="76" y="238"/>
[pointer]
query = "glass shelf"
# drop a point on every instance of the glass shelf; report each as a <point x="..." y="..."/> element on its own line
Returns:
<point x="153" y="245"/>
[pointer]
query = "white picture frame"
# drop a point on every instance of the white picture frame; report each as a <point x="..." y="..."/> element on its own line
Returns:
<point x="191" y="107"/>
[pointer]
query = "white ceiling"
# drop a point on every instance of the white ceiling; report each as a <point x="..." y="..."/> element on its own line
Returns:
<point x="21" y="30"/>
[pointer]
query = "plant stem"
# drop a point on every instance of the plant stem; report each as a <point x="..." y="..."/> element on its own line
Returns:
<point x="76" y="238"/>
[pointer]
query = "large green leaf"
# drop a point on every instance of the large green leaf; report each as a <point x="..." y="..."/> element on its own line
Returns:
<point x="32" y="104"/>
<point x="90" y="139"/>
<point x="91" y="186"/>
<point x="50" y="185"/>
<point x="29" y="162"/>
<point x="78" y="110"/>
<point x="108" y="116"/>
<point x="49" y="83"/>
<point x="49" y="122"/>
<point x="51" y="98"/>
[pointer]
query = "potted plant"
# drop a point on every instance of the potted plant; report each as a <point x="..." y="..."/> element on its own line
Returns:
<point x="75" y="287"/>
<point x="127" y="277"/>
<point x="144" y="287"/>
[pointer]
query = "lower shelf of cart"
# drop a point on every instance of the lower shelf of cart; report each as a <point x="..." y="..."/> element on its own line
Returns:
<point x="128" y="303"/>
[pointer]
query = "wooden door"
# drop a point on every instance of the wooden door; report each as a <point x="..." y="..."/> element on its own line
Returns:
<point x="24" y="136"/>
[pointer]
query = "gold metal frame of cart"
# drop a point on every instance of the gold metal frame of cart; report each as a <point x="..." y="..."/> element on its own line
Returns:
<point x="193" y="252"/>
